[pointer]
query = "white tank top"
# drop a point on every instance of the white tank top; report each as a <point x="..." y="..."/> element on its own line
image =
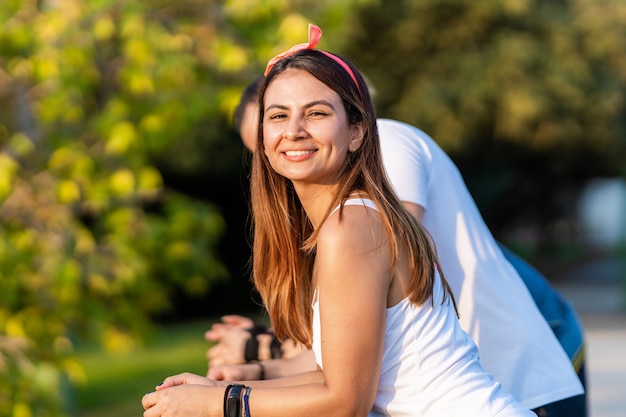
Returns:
<point x="430" y="366"/>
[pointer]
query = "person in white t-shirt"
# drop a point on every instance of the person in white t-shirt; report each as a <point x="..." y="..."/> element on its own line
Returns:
<point x="515" y="341"/>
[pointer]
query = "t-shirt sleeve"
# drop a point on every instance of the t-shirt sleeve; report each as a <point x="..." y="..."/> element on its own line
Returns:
<point x="407" y="160"/>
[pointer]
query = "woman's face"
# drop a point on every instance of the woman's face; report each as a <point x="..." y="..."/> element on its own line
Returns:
<point x="306" y="134"/>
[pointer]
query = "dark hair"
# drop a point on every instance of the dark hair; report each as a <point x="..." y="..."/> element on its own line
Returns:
<point x="249" y="95"/>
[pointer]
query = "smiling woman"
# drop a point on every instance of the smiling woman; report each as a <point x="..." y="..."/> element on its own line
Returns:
<point x="343" y="268"/>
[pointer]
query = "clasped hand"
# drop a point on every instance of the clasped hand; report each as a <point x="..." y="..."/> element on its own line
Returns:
<point x="184" y="394"/>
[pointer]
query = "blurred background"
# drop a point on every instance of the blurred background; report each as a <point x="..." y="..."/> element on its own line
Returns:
<point x="123" y="185"/>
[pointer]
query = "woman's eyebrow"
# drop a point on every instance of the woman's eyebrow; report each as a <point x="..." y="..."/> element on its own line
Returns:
<point x="276" y="106"/>
<point x="318" y="102"/>
<point x="306" y="106"/>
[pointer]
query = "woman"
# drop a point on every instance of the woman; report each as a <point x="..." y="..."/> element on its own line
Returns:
<point x="342" y="267"/>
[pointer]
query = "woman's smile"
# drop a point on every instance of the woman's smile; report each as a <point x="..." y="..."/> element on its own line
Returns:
<point x="299" y="155"/>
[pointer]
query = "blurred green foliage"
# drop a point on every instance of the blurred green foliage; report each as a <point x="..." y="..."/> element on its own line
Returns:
<point x="117" y="381"/>
<point x="100" y="100"/>
<point x="91" y="243"/>
<point x="545" y="74"/>
<point x="97" y="100"/>
<point x="527" y="96"/>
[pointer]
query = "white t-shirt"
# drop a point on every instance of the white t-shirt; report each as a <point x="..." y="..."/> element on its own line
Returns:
<point x="516" y="344"/>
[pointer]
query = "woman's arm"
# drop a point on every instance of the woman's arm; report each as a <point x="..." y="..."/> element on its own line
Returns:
<point x="188" y="378"/>
<point x="189" y="394"/>
<point x="353" y="274"/>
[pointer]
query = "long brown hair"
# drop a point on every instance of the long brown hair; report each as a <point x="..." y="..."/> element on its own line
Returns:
<point x="284" y="239"/>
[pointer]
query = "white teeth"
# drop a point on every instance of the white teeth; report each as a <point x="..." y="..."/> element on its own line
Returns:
<point x="298" y="153"/>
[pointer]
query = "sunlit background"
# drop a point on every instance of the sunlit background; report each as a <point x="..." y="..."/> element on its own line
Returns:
<point x="123" y="186"/>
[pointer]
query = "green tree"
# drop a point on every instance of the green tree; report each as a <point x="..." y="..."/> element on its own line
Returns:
<point x="98" y="99"/>
<point x="91" y="243"/>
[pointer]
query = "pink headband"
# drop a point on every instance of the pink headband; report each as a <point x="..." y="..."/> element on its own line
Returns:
<point x="315" y="34"/>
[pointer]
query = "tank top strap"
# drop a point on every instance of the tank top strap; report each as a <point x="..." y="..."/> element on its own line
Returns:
<point x="357" y="201"/>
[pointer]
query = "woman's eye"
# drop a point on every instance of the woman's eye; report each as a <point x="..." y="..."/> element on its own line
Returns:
<point x="277" y="116"/>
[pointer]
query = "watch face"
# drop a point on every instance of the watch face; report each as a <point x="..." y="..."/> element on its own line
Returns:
<point x="233" y="407"/>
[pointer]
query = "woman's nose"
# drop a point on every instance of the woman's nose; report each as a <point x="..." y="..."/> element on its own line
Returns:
<point x="294" y="130"/>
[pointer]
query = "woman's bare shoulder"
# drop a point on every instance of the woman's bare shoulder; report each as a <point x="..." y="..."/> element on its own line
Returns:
<point x="354" y="227"/>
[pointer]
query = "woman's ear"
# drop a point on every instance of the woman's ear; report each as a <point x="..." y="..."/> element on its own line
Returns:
<point x="356" y="138"/>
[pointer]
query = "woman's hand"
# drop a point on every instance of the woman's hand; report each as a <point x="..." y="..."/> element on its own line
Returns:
<point x="184" y="400"/>
<point x="186" y="378"/>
